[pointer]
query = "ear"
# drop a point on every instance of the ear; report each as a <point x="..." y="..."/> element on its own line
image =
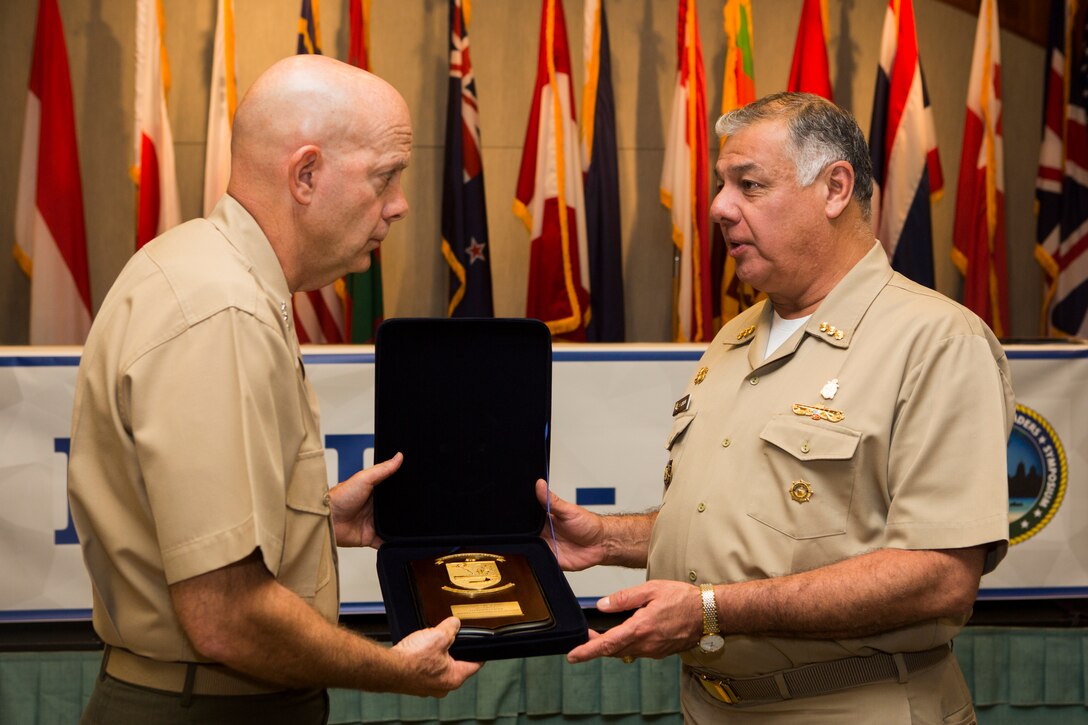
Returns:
<point x="301" y="170"/>
<point x="840" y="188"/>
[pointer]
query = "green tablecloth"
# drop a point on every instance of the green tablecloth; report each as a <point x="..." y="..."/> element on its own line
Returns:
<point x="1021" y="676"/>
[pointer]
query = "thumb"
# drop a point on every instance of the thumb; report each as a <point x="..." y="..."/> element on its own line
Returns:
<point x="449" y="628"/>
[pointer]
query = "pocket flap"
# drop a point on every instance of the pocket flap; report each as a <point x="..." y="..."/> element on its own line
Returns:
<point x="811" y="441"/>
<point x="309" y="489"/>
<point x="679" y="425"/>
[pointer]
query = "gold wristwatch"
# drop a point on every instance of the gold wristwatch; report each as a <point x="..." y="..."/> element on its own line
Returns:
<point x="711" y="641"/>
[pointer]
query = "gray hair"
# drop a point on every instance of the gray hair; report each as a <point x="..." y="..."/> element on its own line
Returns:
<point x="820" y="133"/>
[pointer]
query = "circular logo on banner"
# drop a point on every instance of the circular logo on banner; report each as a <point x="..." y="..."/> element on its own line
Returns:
<point x="1038" y="474"/>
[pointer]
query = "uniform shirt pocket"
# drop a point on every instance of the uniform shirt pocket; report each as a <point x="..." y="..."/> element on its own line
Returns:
<point x="306" y="565"/>
<point x="810" y="479"/>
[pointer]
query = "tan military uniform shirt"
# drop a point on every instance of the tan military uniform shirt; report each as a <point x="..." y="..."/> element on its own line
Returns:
<point x="195" y="436"/>
<point x="916" y="462"/>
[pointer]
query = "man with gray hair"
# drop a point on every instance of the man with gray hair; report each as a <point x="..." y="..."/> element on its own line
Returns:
<point x="836" y="477"/>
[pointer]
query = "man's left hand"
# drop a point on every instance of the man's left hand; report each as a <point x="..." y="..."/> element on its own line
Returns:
<point x="353" y="504"/>
<point x="668" y="619"/>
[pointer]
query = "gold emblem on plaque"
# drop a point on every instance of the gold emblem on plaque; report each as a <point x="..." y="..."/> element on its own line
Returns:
<point x="800" y="491"/>
<point x="473" y="574"/>
<point x="818" y="412"/>
<point x="701" y="375"/>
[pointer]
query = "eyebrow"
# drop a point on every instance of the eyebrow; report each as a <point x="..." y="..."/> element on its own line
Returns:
<point x="742" y="168"/>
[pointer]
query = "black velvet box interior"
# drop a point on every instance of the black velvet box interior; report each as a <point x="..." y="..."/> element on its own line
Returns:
<point x="468" y="403"/>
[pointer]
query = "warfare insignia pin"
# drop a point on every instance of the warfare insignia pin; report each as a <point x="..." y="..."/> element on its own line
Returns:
<point x="827" y="392"/>
<point x="818" y="412"/>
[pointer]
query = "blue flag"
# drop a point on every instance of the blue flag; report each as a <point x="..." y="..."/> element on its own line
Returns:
<point x="464" y="213"/>
<point x="601" y="184"/>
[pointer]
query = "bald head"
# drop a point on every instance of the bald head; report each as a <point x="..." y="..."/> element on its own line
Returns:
<point x="306" y="99"/>
<point x="315" y="140"/>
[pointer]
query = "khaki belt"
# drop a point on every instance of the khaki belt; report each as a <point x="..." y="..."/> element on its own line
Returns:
<point x="185" y="678"/>
<point x="819" y="678"/>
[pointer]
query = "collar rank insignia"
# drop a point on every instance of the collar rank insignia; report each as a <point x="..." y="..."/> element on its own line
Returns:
<point x="831" y="331"/>
<point x="681" y="405"/>
<point x="746" y="332"/>
<point x="818" y="412"/>
<point x="701" y="375"/>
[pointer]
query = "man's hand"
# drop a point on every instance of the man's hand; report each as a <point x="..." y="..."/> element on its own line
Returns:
<point x="436" y="673"/>
<point x="668" y="619"/>
<point x="353" y="504"/>
<point x="579" y="534"/>
<point x="585" y="539"/>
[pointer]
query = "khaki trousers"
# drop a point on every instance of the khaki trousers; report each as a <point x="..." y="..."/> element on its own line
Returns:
<point x="114" y="702"/>
<point x="936" y="696"/>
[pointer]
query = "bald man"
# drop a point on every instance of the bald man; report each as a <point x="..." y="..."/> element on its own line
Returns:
<point x="197" y="476"/>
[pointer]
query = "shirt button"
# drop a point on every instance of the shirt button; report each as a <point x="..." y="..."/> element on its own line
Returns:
<point x="692" y="575"/>
<point x="805" y="447"/>
<point x="326" y="499"/>
<point x="701" y="507"/>
<point x="753" y="380"/>
<point x="726" y="442"/>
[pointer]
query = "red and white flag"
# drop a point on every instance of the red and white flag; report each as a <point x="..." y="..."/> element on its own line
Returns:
<point x="810" y="71"/>
<point x="223" y="99"/>
<point x="157" y="205"/>
<point x="550" y="199"/>
<point x="685" y="186"/>
<point x="978" y="236"/>
<point x="50" y="238"/>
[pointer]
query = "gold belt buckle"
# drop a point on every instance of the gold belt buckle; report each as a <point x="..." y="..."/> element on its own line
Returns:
<point x="718" y="689"/>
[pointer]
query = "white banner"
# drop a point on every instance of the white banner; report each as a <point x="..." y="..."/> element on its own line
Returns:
<point x="611" y="408"/>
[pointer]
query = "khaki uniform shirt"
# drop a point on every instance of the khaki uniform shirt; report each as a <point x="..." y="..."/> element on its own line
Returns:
<point x="917" y="461"/>
<point x="195" y="436"/>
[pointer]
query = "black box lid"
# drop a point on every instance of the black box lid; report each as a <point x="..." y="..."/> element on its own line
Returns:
<point x="468" y="402"/>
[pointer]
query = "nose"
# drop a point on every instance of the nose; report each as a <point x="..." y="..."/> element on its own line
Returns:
<point x="723" y="209"/>
<point x="397" y="207"/>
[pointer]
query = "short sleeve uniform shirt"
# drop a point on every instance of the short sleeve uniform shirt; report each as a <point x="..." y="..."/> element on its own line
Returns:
<point x="881" y="423"/>
<point x="195" y="436"/>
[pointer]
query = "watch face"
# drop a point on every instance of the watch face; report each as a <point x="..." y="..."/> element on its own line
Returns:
<point x="711" y="643"/>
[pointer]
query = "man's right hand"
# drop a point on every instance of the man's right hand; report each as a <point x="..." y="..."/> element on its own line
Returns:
<point x="435" y="672"/>
<point x="579" y="533"/>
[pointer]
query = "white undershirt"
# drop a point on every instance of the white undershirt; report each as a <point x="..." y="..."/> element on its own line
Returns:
<point x="781" y="329"/>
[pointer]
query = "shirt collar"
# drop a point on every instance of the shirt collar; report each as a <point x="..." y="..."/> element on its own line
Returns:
<point x="244" y="234"/>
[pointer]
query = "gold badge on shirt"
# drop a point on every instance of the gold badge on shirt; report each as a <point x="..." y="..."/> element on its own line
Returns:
<point x="818" y="412"/>
<point x="800" y="491"/>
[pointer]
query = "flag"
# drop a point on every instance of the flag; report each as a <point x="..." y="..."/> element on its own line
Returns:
<point x="363" y="303"/>
<point x="685" y="186"/>
<point x="601" y="181"/>
<point x="903" y="147"/>
<point x="549" y="198"/>
<point x="810" y="72"/>
<point x="728" y="293"/>
<point x="50" y="239"/>
<point x="978" y="234"/>
<point x="157" y="204"/>
<point x="319" y="314"/>
<point x="1061" y="190"/>
<point x="464" y="212"/>
<point x="222" y="100"/>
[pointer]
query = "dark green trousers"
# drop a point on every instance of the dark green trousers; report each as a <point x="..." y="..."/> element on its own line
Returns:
<point x="118" y="703"/>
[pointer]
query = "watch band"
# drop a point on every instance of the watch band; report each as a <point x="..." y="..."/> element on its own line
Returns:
<point x="710" y="609"/>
